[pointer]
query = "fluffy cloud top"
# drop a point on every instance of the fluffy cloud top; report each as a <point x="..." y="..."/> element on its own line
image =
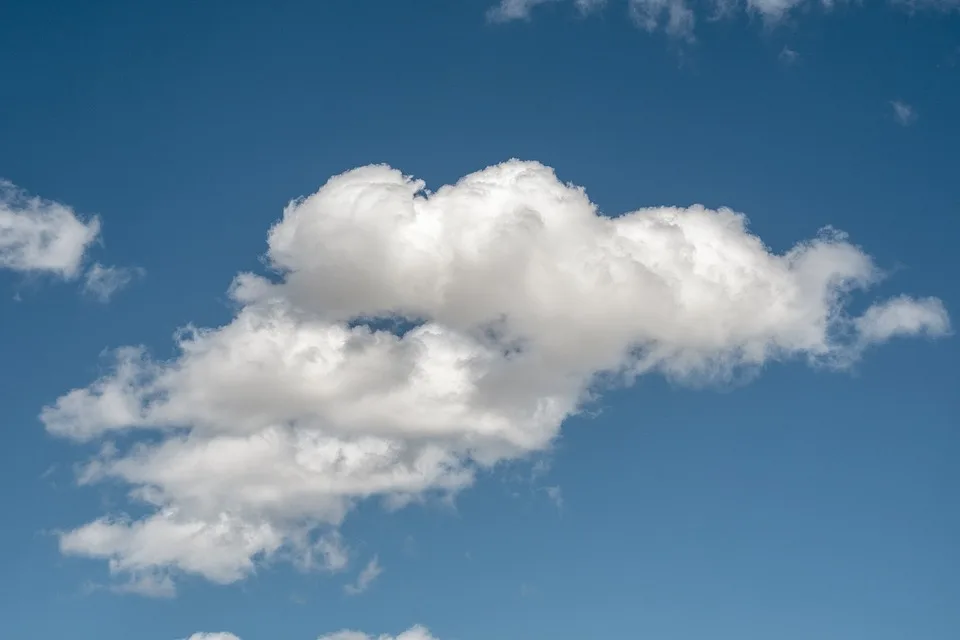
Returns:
<point x="41" y="236"/>
<point x="413" y="338"/>
<point x="213" y="636"/>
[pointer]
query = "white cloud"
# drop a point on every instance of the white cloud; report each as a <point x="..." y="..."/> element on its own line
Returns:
<point x="221" y="635"/>
<point x="39" y="236"/>
<point x="678" y="17"/>
<point x="414" y="633"/>
<point x="261" y="435"/>
<point x="903" y="112"/>
<point x="102" y="282"/>
<point x="366" y="578"/>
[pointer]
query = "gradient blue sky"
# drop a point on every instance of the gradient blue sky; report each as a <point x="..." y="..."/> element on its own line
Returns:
<point x="805" y="504"/>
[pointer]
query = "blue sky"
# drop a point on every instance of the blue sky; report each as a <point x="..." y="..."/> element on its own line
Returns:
<point x="661" y="425"/>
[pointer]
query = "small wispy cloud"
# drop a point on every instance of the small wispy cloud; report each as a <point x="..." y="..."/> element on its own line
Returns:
<point x="102" y="282"/>
<point x="410" y="547"/>
<point x="555" y="495"/>
<point x="678" y="18"/>
<point x="903" y="112"/>
<point x="150" y="585"/>
<point x="416" y="632"/>
<point x="588" y="6"/>
<point x="509" y="10"/>
<point x="328" y="553"/>
<point x="788" y="55"/>
<point x="366" y="578"/>
<point x="914" y="6"/>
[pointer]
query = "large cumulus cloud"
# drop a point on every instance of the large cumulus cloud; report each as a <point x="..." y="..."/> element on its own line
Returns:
<point x="410" y="339"/>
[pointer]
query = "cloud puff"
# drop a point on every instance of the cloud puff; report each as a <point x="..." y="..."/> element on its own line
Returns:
<point x="903" y="316"/>
<point x="412" y="338"/>
<point x="678" y="17"/>
<point x="39" y="236"/>
<point x="221" y="635"/>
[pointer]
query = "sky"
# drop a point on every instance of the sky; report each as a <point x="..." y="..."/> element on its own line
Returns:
<point x="457" y="320"/>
